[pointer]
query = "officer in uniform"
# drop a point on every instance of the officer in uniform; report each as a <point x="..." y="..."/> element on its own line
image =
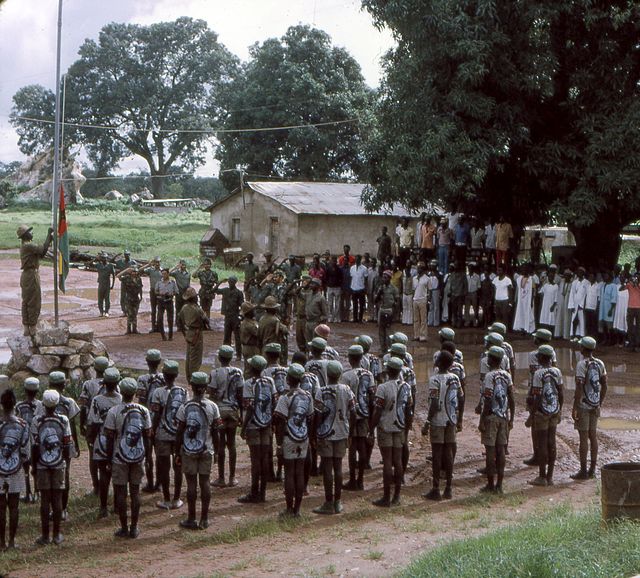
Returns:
<point x="131" y="292"/>
<point x="208" y="279"/>
<point x="248" y="331"/>
<point x="387" y="298"/>
<point x="232" y="299"/>
<point x="183" y="281"/>
<point x="270" y="328"/>
<point x="30" y="255"/>
<point x="316" y="310"/>
<point x="250" y="270"/>
<point x="154" y="273"/>
<point x="193" y="322"/>
<point x="300" y="295"/>
<point x="121" y="264"/>
<point x="106" y="279"/>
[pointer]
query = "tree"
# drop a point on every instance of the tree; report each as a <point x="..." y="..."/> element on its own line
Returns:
<point x="529" y="109"/>
<point x="152" y="84"/>
<point x="33" y="102"/>
<point x="299" y="79"/>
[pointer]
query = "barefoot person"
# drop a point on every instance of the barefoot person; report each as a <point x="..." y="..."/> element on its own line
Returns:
<point x="198" y="421"/>
<point x="591" y="389"/>
<point x="14" y="442"/>
<point x="225" y="389"/>
<point x="30" y="255"/>
<point x="27" y="410"/>
<point x="545" y="400"/>
<point x="50" y="452"/>
<point x="127" y="428"/>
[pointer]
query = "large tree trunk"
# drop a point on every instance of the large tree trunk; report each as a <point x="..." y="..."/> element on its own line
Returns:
<point x="598" y="245"/>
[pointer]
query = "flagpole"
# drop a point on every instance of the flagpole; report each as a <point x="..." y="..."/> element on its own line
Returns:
<point x="56" y="170"/>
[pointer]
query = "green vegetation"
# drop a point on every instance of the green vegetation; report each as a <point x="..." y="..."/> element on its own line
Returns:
<point x="559" y="543"/>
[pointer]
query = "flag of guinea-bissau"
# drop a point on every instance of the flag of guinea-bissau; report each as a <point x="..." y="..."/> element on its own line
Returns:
<point x="63" y="243"/>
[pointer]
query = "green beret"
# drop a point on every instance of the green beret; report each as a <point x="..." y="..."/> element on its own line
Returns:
<point x="447" y="334"/>
<point x="128" y="386"/>
<point x="232" y="278"/>
<point x="272" y="348"/>
<point x="496" y="352"/>
<point x="546" y="350"/>
<point x="334" y="368"/>
<point x="356" y="350"/>
<point x="56" y="377"/>
<point x="100" y="363"/>
<point x="111" y="375"/>
<point x="170" y="367"/>
<point x="543" y="335"/>
<point x="394" y="363"/>
<point x="495" y="339"/>
<point x="318" y="343"/>
<point x="257" y="362"/>
<point x="226" y="352"/>
<point x="199" y="378"/>
<point x="399" y="337"/>
<point x="365" y="341"/>
<point x="306" y="277"/>
<point x="153" y="355"/>
<point x="32" y="384"/>
<point x="296" y="371"/>
<point x="588" y="343"/>
<point x="398" y="349"/>
<point x="498" y="327"/>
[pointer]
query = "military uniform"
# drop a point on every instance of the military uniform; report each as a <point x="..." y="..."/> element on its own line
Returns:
<point x="249" y="338"/>
<point x="106" y="272"/>
<point x="30" y="255"/>
<point x="315" y="313"/>
<point x="301" y="296"/>
<point x="154" y="275"/>
<point x="121" y="265"/>
<point x="165" y="292"/>
<point x="271" y="330"/>
<point x="131" y="291"/>
<point x="250" y="271"/>
<point x="193" y="321"/>
<point x="206" y="293"/>
<point x="387" y="298"/>
<point x="232" y="300"/>
<point x="183" y="281"/>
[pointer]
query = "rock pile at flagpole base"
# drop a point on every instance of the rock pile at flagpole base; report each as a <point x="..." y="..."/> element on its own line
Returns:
<point x="66" y="348"/>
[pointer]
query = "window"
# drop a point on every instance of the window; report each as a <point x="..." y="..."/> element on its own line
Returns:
<point x="235" y="230"/>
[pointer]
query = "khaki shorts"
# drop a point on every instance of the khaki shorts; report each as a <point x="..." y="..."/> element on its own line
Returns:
<point x="47" y="479"/>
<point x="587" y="419"/>
<point x="390" y="439"/>
<point x="13" y="484"/>
<point x="442" y="434"/>
<point x="165" y="448"/>
<point x="230" y="418"/>
<point x="293" y="450"/>
<point x="197" y="465"/>
<point x="123" y="474"/>
<point x="361" y="429"/>
<point x="259" y="437"/>
<point x="542" y="422"/>
<point x="495" y="431"/>
<point x="332" y="448"/>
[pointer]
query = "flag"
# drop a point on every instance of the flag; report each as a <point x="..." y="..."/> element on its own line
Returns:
<point x="63" y="243"/>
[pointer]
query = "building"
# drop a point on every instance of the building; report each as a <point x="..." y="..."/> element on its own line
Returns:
<point x="301" y="218"/>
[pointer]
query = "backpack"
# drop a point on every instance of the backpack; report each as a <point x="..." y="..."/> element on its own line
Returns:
<point x="374" y="365"/>
<point x="451" y="400"/>
<point x="549" y="402"/>
<point x="131" y="447"/>
<point x="176" y="397"/>
<point x="279" y="376"/>
<point x="155" y="381"/>
<point x="592" y="387"/>
<point x="235" y="380"/>
<point x="329" y="403"/>
<point x="262" y="402"/>
<point x="402" y="403"/>
<point x="50" y="438"/>
<point x="26" y="411"/>
<point x="12" y="438"/>
<point x="310" y="384"/>
<point x="315" y="366"/>
<point x="365" y="384"/>
<point x="499" y="398"/>
<point x="297" y="424"/>
<point x="194" y="441"/>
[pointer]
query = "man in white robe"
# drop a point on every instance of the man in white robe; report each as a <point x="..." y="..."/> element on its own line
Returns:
<point x="549" y="293"/>
<point x="563" y="317"/>
<point x="577" y="298"/>
<point x="524" y="319"/>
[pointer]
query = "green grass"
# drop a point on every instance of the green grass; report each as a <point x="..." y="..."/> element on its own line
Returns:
<point x="560" y="542"/>
<point x="173" y="236"/>
<point x="373" y="555"/>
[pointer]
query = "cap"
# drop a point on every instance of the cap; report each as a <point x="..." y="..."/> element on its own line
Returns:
<point x="546" y="350"/>
<point x="189" y="293"/>
<point x="126" y="252"/>
<point x="156" y="259"/>
<point x="100" y="363"/>
<point x="318" y="343"/>
<point x="365" y="340"/>
<point x="182" y="262"/>
<point x="271" y="303"/>
<point x="398" y="349"/>
<point x="315" y="281"/>
<point x="588" y="343"/>
<point x="207" y="261"/>
<point x="292" y="256"/>
<point x="296" y="370"/>
<point x="272" y="348"/>
<point x="128" y="386"/>
<point x="22" y="230"/>
<point x="170" y="367"/>
<point x="356" y="350"/>
<point x="494" y="338"/>
<point x="334" y="368"/>
<point x="394" y="363"/>
<point x="50" y="398"/>
<point x="496" y="352"/>
<point x="447" y="333"/>
<point x="226" y="352"/>
<point x="246" y="307"/>
<point x="111" y="375"/>
<point x="199" y="378"/>
<point x="399" y="337"/>
<point x="153" y="355"/>
<point x="32" y="384"/>
<point x="56" y="377"/>
<point x="323" y="330"/>
<point x="257" y="362"/>
<point x="543" y="335"/>
<point x="232" y="279"/>
<point x="498" y="327"/>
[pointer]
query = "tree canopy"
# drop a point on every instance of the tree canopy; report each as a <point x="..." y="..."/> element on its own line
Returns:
<point x="299" y="79"/>
<point x="528" y="109"/>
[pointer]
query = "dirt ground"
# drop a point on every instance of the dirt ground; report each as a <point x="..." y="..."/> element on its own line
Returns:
<point x="249" y="540"/>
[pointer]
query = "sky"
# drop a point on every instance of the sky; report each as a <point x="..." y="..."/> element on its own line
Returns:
<point x="28" y="38"/>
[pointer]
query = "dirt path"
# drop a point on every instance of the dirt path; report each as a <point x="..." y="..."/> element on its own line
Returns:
<point x="250" y="541"/>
